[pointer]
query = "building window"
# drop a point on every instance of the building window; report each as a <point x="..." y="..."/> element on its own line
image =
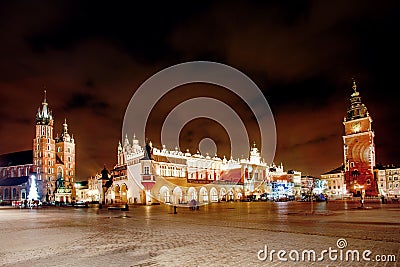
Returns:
<point x="69" y="150"/>
<point x="69" y="159"/>
<point x="146" y="170"/>
<point x="58" y="149"/>
<point x="14" y="193"/>
<point x="368" y="181"/>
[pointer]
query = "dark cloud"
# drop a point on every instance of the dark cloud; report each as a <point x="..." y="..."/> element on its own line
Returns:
<point x="141" y="29"/>
<point x="88" y="102"/>
<point x="315" y="141"/>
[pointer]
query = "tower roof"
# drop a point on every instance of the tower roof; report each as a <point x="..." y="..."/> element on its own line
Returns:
<point x="65" y="136"/>
<point x="16" y="158"/>
<point x="357" y="109"/>
<point x="44" y="115"/>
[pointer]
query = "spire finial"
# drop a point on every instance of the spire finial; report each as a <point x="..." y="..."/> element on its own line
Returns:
<point x="45" y="94"/>
<point x="65" y="126"/>
<point x="354" y="85"/>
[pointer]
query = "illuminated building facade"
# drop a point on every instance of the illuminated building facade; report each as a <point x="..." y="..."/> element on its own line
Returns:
<point x="147" y="174"/>
<point x="359" y="148"/>
<point x="15" y="170"/>
<point x="97" y="186"/>
<point x="335" y="183"/>
<point x="53" y="158"/>
<point x="392" y="174"/>
<point x="51" y="162"/>
<point x="388" y="180"/>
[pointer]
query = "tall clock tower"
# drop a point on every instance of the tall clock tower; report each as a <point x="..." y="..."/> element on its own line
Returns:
<point x="359" y="148"/>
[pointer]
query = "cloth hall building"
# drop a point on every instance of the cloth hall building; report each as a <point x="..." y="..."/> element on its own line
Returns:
<point x="147" y="175"/>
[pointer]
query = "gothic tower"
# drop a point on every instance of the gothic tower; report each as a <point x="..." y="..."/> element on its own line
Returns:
<point x="65" y="165"/>
<point x="359" y="148"/>
<point x="44" y="152"/>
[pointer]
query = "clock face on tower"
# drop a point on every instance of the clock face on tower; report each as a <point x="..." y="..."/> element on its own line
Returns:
<point x="356" y="127"/>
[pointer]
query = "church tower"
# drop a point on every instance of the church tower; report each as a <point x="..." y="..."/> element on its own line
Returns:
<point x="44" y="152"/>
<point x="65" y="165"/>
<point x="359" y="148"/>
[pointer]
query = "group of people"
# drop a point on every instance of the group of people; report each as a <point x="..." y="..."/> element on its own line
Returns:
<point x="30" y="203"/>
<point x="385" y="200"/>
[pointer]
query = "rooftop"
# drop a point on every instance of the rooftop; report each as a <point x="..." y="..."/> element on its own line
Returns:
<point x="16" y="158"/>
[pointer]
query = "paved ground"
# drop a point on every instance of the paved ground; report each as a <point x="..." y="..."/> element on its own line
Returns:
<point x="220" y="234"/>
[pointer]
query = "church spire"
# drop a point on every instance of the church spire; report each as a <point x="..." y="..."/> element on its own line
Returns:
<point x="65" y="125"/>
<point x="65" y="136"/>
<point x="44" y="115"/>
<point x="45" y="95"/>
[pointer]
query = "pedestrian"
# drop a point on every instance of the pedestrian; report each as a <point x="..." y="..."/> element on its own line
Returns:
<point x="383" y="199"/>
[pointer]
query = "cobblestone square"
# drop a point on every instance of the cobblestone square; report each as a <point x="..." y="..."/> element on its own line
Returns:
<point x="219" y="234"/>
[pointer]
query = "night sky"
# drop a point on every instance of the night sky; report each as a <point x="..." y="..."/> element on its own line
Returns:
<point x="91" y="56"/>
